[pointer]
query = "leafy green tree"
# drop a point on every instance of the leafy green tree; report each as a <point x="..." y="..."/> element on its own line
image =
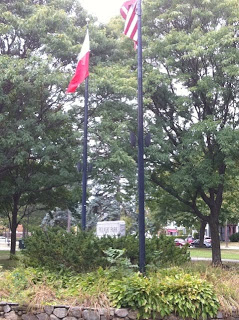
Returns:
<point x="191" y="88"/>
<point x="39" y="143"/>
<point x="39" y="42"/>
<point x="164" y="208"/>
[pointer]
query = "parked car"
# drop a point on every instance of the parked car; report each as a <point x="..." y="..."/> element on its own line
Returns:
<point x="189" y="239"/>
<point x="208" y="239"/>
<point x="195" y="244"/>
<point x="179" y="242"/>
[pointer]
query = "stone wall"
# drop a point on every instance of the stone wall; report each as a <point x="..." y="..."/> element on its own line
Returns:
<point x="13" y="311"/>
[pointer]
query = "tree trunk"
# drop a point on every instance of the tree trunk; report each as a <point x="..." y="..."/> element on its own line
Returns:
<point x="202" y="233"/>
<point x="14" y="224"/>
<point x="216" y="250"/>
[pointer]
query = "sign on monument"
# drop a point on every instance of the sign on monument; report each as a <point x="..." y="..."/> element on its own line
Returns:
<point x="110" y="228"/>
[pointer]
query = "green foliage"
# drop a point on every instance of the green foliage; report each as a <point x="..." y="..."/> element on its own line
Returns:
<point x="176" y="290"/>
<point x="183" y="294"/>
<point x="191" y="60"/>
<point x="38" y="142"/>
<point x="26" y="285"/>
<point x="160" y="251"/>
<point x="119" y="264"/>
<point x="234" y="237"/>
<point x="57" y="249"/>
<point x="165" y="292"/>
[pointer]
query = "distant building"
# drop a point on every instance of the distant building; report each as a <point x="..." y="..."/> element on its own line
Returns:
<point x="173" y="230"/>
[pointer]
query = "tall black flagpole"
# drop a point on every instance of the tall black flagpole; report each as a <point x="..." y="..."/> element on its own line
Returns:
<point x="140" y="148"/>
<point x="84" y="174"/>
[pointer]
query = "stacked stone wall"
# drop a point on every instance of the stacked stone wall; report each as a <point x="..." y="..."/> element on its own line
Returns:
<point x="14" y="311"/>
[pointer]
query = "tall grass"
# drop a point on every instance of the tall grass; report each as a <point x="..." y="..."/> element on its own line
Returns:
<point x="225" y="282"/>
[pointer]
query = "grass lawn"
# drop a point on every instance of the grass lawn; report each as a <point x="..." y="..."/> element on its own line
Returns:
<point x="5" y="262"/>
<point x="207" y="253"/>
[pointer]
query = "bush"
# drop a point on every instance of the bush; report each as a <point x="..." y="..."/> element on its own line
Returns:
<point x="185" y="295"/>
<point x="234" y="237"/>
<point x="160" y="251"/>
<point x="57" y="249"/>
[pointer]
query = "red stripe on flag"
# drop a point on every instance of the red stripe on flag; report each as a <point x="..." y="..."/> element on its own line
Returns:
<point x="122" y="12"/>
<point x="128" y="12"/>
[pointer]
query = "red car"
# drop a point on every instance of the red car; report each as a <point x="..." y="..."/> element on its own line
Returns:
<point x="179" y="242"/>
<point x="189" y="239"/>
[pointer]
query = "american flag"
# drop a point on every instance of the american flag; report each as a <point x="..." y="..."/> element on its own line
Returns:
<point x="128" y="12"/>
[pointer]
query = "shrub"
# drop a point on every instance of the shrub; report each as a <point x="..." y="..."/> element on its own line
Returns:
<point x="57" y="249"/>
<point x="234" y="237"/>
<point x="160" y="251"/>
<point x="185" y="295"/>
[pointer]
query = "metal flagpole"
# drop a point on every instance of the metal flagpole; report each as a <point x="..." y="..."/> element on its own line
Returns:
<point x="140" y="148"/>
<point x="84" y="169"/>
<point x="84" y="175"/>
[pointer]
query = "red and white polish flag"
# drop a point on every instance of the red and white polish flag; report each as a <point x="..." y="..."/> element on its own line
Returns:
<point x="82" y="69"/>
<point x="128" y="12"/>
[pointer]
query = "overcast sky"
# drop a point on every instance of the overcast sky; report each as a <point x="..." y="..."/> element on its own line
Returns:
<point x="102" y="9"/>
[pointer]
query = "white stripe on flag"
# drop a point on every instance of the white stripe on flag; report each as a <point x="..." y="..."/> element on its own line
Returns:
<point x="132" y="26"/>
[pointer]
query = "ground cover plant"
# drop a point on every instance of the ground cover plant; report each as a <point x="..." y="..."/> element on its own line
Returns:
<point x="182" y="294"/>
<point x="158" y="292"/>
<point x="120" y="285"/>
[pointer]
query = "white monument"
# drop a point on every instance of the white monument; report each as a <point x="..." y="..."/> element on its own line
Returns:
<point x="110" y="228"/>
